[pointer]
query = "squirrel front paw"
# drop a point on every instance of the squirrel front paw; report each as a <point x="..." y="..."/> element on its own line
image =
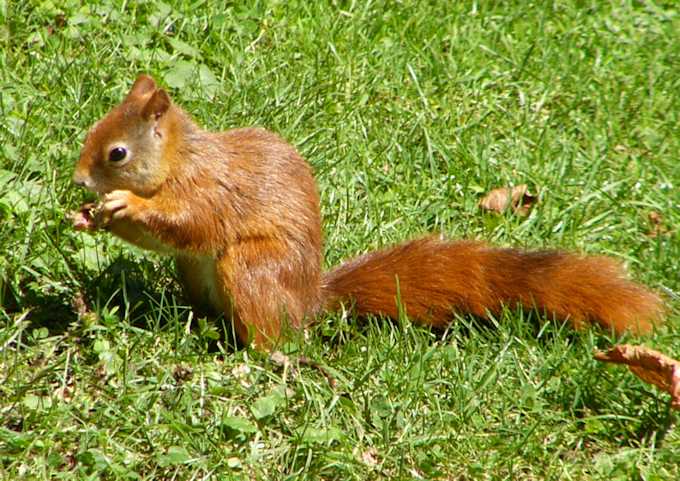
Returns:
<point x="119" y="204"/>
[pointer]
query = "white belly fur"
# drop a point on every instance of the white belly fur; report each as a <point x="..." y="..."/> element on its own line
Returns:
<point x="207" y="276"/>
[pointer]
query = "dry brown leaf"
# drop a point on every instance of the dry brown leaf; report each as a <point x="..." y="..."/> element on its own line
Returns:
<point x="65" y="392"/>
<point x="70" y="460"/>
<point x="79" y="304"/>
<point x="518" y="198"/>
<point x="657" y="226"/>
<point x="649" y="365"/>
<point x="370" y="457"/>
<point x="279" y="359"/>
<point x="82" y="308"/>
<point x="655" y="218"/>
<point x="182" y="373"/>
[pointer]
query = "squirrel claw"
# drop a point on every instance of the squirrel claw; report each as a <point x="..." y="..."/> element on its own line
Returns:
<point x="117" y="205"/>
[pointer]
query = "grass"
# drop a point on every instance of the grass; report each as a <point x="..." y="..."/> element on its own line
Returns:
<point x="408" y="112"/>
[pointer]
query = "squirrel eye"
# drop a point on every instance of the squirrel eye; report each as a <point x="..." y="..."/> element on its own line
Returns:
<point x="117" y="154"/>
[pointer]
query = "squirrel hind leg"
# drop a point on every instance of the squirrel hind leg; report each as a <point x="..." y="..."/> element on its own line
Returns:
<point x="266" y="294"/>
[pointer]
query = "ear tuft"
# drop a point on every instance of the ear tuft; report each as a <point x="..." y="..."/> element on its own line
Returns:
<point x="143" y="85"/>
<point x="157" y="105"/>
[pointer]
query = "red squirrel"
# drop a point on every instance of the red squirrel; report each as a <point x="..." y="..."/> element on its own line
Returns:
<point x="239" y="211"/>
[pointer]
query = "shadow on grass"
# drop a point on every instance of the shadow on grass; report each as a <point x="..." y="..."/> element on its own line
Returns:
<point x="136" y="290"/>
<point x="520" y="323"/>
<point x="131" y="288"/>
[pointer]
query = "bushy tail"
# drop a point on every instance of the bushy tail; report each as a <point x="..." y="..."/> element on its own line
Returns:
<point x="436" y="278"/>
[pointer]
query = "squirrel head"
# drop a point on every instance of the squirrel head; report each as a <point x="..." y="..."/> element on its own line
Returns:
<point x="128" y="148"/>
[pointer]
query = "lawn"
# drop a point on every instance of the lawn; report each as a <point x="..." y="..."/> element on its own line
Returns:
<point x="408" y="113"/>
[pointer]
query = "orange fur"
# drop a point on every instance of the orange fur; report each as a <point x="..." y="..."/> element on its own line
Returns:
<point x="239" y="211"/>
<point x="435" y="278"/>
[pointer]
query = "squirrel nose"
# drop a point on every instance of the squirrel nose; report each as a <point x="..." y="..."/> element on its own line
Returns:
<point x="81" y="180"/>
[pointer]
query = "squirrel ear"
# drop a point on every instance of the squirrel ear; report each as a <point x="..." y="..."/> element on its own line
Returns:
<point x="143" y="85"/>
<point x="157" y="105"/>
